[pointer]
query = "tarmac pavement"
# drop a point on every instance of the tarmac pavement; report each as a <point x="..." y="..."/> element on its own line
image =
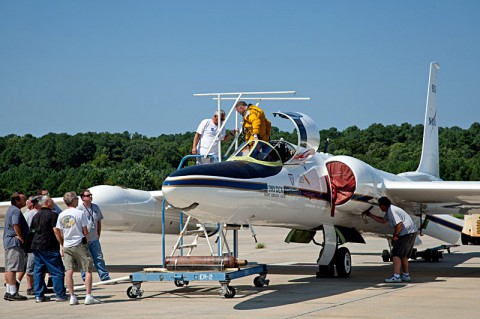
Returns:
<point x="445" y="289"/>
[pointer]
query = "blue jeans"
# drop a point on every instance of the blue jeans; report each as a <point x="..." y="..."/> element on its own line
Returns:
<point x="98" y="261"/>
<point x="48" y="261"/>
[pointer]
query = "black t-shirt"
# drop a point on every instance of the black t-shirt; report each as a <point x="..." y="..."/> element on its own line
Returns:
<point x="43" y="223"/>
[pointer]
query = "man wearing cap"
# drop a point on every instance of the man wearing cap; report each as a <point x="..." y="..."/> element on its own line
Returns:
<point x="205" y="137"/>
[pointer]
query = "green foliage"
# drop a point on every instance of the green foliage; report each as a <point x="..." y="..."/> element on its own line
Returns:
<point x="62" y="162"/>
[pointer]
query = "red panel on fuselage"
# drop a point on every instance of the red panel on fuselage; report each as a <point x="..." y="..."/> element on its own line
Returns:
<point x="342" y="180"/>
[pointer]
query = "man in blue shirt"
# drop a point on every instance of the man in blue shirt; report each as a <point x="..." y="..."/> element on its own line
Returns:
<point x="14" y="235"/>
<point x="94" y="216"/>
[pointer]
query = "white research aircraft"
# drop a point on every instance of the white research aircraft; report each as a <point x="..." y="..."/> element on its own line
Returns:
<point x="285" y="185"/>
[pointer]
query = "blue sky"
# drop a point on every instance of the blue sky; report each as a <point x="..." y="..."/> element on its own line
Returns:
<point x="114" y="66"/>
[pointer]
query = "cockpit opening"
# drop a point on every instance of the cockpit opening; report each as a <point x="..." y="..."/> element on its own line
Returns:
<point x="257" y="151"/>
<point x="276" y="152"/>
<point x="284" y="149"/>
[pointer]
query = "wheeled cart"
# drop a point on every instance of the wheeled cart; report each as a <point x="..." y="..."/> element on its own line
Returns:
<point x="183" y="278"/>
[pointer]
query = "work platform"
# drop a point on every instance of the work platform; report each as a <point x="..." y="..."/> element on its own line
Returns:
<point x="183" y="278"/>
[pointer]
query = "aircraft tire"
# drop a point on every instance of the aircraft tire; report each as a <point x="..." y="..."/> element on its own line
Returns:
<point x="343" y="262"/>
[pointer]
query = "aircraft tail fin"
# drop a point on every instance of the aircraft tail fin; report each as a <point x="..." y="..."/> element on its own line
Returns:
<point x="429" y="162"/>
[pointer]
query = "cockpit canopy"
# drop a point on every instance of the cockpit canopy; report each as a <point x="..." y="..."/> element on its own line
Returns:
<point x="257" y="151"/>
<point x="281" y="152"/>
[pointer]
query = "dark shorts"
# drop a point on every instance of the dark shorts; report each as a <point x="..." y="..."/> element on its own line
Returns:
<point x="403" y="246"/>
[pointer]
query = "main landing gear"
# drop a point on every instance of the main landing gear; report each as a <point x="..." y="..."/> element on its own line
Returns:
<point x="333" y="257"/>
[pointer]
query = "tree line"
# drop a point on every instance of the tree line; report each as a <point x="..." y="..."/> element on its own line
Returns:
<point x="63" y="162"/>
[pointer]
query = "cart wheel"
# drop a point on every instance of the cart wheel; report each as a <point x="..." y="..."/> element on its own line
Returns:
<point x="260" y="281"/>
<point x="230" y="292"/>
<point x="181" y="283"/>
<point x="130" y="292"/>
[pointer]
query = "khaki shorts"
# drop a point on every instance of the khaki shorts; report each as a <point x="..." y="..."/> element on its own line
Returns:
<point x="78" y="257"/>
<point x="15" y="259"/>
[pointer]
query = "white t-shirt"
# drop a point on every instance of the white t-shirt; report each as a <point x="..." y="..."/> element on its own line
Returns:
<point x="207" y="129"/>
<point x="396" y="215"/>
<point x="71" y="222"/>
<point x="29" y="213"/>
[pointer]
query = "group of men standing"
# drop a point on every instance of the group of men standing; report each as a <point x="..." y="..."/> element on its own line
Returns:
<point x="57" y="242"/>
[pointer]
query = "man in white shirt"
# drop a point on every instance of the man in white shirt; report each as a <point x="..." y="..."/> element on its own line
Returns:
<point x="205" y="137"/>
<point x="73" y="226"/>
<point x="404" y="234"/>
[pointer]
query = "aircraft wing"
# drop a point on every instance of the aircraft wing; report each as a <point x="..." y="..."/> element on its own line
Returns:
<point x="3" y="209"/>
<point x="435" y="197"/>
<point x="157" y="194"/>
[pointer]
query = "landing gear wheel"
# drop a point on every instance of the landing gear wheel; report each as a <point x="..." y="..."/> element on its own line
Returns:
<point x="230" y="292"/>
<point x="181" y="283"/>
<point x="260" y="281"/>
<point x="428" y="255"/>
<point x="436" y="255"/>
<point x="343" y="262"/>
<point x="134" y="292"/>
<point x="386" y="255"/>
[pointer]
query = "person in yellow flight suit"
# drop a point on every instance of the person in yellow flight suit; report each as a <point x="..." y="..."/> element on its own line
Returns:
<point x="255" y="124"/>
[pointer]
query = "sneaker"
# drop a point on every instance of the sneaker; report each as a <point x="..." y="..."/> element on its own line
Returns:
<point x="62" y="299"/>
<point x="16" y="297"/>
<point x="405" y="278"/>
<point x="91" y="301"/>
<point x="393" y="279"/>
<point x="6" y="296"/>
<point x="42" y="299"/>
<point x="73" y="300"/>
<point x="30" y="292"/>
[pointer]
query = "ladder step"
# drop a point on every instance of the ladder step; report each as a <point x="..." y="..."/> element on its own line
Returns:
<point x="188" y="246"/>
<point x="194" y="232"/>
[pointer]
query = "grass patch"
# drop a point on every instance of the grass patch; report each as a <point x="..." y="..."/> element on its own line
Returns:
<point x="260" y="246"/>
